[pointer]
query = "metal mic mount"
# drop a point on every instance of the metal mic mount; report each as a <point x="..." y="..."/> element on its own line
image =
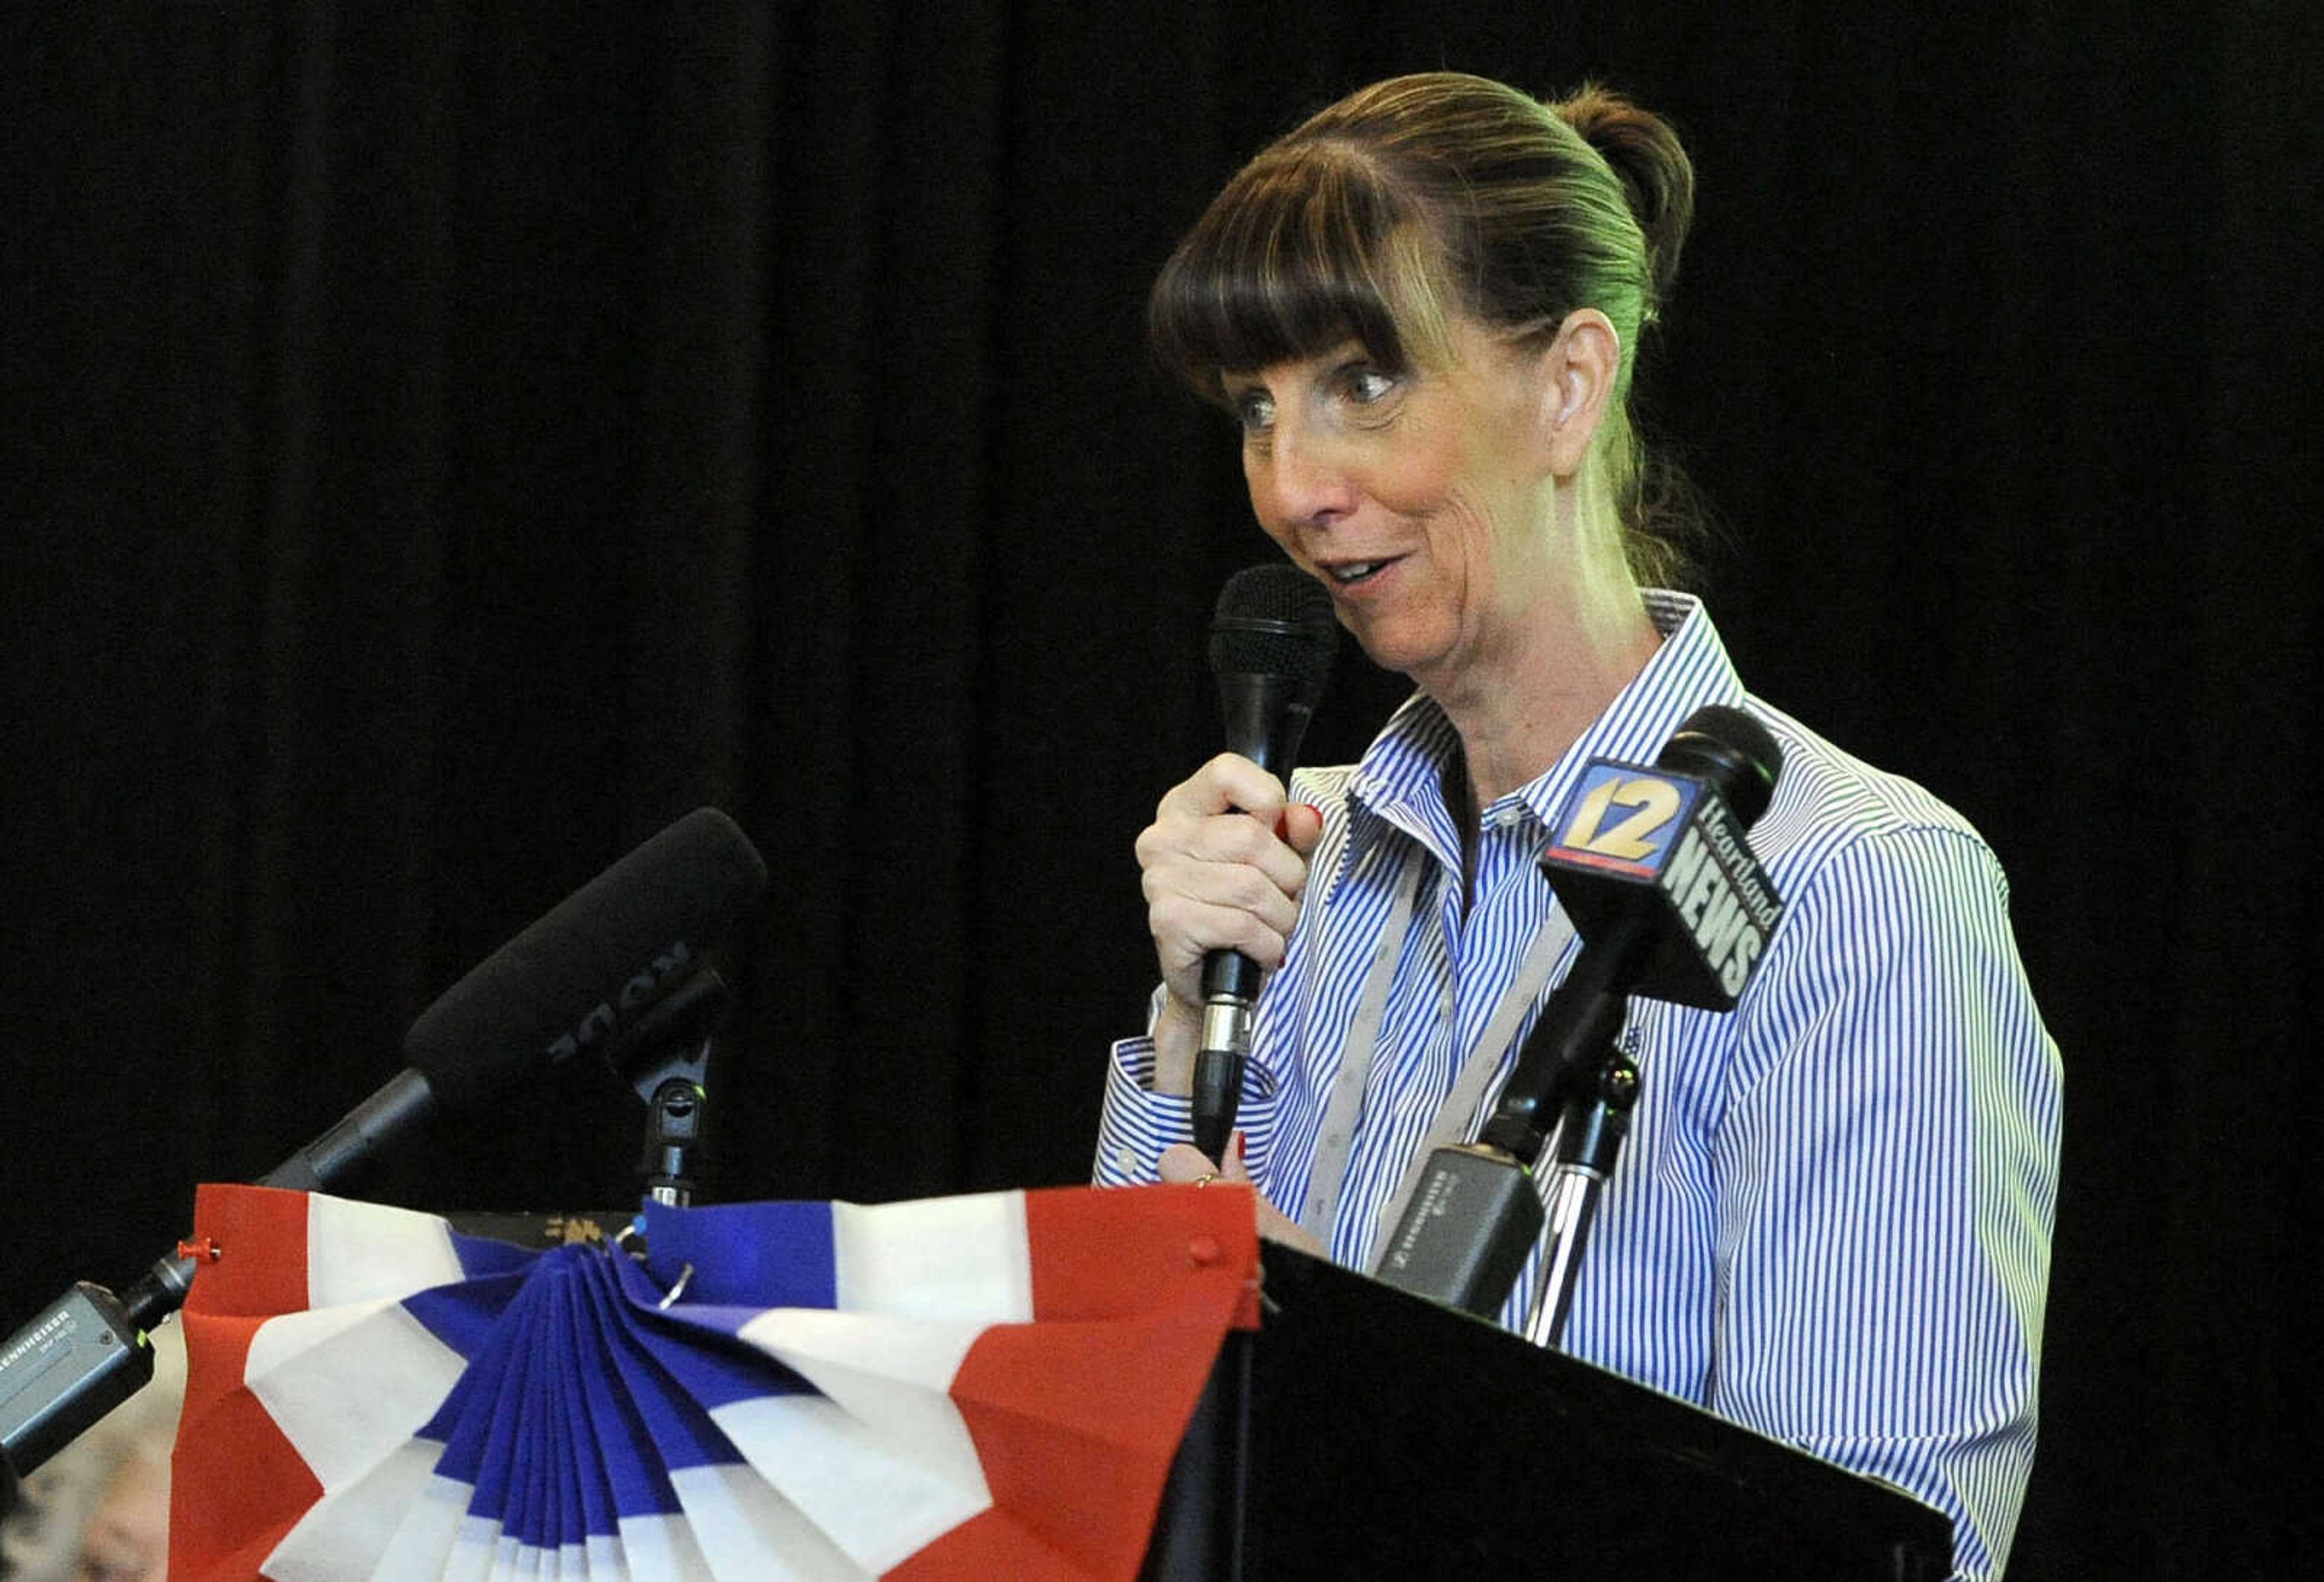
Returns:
<point x="679" y="1026"/>
<point x="1590" y="1134"/>
<point x="1479" y="1210"/>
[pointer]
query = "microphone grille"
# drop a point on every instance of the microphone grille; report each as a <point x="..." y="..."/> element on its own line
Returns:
<point x="1733" y="752"/>
<point x="682" y="887"/>
<point x="1275" y="619"/>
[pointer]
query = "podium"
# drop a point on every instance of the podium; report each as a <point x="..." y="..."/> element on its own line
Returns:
<point x="367" y="1382"/>
<point x="1365" y="1432"/>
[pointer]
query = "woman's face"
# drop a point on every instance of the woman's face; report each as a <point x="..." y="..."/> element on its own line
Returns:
<point x="1423" y="501"/>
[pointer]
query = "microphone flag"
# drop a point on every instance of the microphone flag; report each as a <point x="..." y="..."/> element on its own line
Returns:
<point x="1663" y="847"/>
<point x="990" y="1385"/>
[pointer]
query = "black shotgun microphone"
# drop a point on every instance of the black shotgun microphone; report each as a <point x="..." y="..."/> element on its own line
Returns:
<point x="1272" y="639"/>
<point x="569" y="983"/>
<point x="584" y="974"/>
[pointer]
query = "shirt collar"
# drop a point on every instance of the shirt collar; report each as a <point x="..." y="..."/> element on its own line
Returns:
<point x="1399" y="785"/>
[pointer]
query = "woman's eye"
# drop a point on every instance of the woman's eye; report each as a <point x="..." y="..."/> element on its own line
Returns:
<point x="1254" y="409"/>
<point x="1365" y="385"/>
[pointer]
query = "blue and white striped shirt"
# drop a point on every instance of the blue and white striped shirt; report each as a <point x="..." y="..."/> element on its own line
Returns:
<point x="1831" y="1219"/>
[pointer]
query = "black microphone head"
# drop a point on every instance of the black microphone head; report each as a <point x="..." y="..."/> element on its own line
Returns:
<point x="1275" y="620"/>
<point x="606" y="953"/>
<point x="1733" y="752"/>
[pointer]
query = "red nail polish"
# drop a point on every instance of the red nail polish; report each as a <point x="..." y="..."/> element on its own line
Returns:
<point x="1235" y="1142"/>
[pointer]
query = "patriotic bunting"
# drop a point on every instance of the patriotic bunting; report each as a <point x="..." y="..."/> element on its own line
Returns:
<point x="982" y="1386"/>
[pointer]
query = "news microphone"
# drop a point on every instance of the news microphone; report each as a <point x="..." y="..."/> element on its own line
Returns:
<point x="569" y="983"/>
<point x="1651" y="867"/>
<point x="1272" y="639"/>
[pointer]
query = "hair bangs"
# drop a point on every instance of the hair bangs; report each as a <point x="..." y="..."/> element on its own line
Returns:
<point x="1304" y="250"/>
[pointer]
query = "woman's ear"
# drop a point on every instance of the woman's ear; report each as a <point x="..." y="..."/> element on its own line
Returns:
<point x="1579" y="371"/>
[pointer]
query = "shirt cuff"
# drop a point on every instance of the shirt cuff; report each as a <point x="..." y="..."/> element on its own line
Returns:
<point x="1137" y="1123"/>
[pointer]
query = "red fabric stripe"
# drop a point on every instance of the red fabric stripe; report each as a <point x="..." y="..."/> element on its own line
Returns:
<point x="1109" y="1252"/>
<point x="984" y="1549"/>
<point x="1077" y="1417"/>
<point x="236" y="1485"/>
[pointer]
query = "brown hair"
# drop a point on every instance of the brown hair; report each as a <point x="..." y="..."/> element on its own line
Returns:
<point x="1424" y="196"/>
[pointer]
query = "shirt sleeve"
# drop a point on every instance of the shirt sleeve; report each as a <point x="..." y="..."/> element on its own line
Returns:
<point x="1887" y="1170"/>
<point x="1136" y="1124"/>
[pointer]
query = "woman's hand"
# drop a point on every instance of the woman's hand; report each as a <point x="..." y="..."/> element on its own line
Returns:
<point x="1224" y="862"/>
<point x="1182" y="1165"/>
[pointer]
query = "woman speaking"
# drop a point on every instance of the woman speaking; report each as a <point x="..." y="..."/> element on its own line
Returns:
<point x="1832" y="1222"/>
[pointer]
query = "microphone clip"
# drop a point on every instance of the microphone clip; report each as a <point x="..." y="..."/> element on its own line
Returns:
<point x="665" y="1054"/>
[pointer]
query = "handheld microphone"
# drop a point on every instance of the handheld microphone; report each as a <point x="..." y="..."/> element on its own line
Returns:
<point x="1272" y="639"/>
<point x="1652" y="866"/>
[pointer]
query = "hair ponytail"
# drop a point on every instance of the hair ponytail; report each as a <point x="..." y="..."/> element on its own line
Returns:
<point x="1658" y="178"/>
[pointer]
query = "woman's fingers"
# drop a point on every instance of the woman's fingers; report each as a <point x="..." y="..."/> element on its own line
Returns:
<point x="1183" y="1164"/>
<point x="1222" y="869"/>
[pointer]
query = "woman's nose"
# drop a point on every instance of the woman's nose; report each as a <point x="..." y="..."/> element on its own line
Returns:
<point x="1304" y="480"/>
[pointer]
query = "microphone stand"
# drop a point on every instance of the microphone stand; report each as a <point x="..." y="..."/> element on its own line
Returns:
<point x="1590" y="1130"/>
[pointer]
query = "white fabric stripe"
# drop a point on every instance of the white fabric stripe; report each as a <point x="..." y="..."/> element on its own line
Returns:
<point x="348" y="1386"/>
<point x="941" y="1258"/>
<point x="883" y="1464"/>
<point x="751" y="1533"/>
<point x="357" y="1521"/>
<point x="423" y="1541"/>
<point x="1831" y="1218"/>
<point x="661" y="1549"/>
<point x="475" y="1546"/>
<point x="420" y="1529"/>
<point x="605" y="1559"/>
<point x="403" y="1251"/>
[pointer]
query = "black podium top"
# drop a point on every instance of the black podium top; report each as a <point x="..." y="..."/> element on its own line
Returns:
<point x="1381" y="1435"/>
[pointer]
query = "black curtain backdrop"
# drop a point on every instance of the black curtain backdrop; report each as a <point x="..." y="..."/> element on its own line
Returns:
<point x="443" y="444"/>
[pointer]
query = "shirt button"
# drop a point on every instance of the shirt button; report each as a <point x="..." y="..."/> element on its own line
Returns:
<point x="1124" y="1160"/>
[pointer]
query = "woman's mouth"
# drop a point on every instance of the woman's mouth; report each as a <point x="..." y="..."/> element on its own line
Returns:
<point x="1347" y="573"/>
